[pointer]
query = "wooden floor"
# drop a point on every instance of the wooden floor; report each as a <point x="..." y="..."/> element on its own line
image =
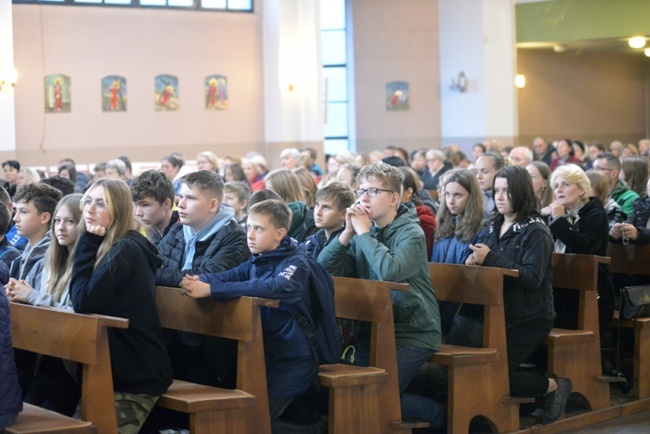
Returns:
<point x="633" y="424"/>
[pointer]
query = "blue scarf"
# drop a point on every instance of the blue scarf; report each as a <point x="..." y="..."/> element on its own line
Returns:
<point x="225" y="215"/>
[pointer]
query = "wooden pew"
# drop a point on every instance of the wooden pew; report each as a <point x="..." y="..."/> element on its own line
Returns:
<point x="478" y="377"/>
<point x="575" y="354"/>
<point x="365" y="400"/>
<point x="76" y="337"/>
<point x="211" y="409"/>
<point x="633" y="259"/>
<point x="34" y="420"/>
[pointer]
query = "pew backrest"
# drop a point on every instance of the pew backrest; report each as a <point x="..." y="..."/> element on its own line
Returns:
<point x="476" y="285"/>
<point x="629" y="259"/>
<point x="238" y="319"/>
<point x="79" y="338"/>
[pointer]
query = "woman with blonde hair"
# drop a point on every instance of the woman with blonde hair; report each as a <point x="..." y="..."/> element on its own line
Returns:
<point x="285" y="183"/>
<point x="207" y="160"/>
<point x="307" y="185"/>
<point x="27" y="175"/>
<point x="630" y="150"/>
<point x="255" y="171"/>
<point x="579" y="225"/>
<point x="113" y="274"/>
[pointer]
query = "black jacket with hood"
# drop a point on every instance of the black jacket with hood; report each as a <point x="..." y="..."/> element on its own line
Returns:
<point x="123" y="285"/>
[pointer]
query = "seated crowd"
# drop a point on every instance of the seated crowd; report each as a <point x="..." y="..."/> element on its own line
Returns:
<point x="100" y="243"/>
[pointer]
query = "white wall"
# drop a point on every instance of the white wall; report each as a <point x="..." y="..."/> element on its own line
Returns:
<point x="7" y="118"/>
<point x="292" y="57"/>
<point x="89" y="43"/>
<point x="478" y="37"/>
<point x="396" y="41"/>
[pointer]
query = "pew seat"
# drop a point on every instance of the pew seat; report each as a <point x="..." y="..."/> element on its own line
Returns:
<point x="341" y="375"/>
<point x="35" y="420"/>
<point x="193" y="398"/>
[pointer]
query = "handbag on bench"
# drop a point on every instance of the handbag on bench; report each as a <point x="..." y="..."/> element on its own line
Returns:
<point x="635" y="302"/>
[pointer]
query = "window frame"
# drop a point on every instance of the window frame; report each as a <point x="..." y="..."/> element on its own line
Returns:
<point x="136" y="4"/>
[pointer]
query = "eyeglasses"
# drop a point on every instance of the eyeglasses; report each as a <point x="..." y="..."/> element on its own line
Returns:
<point x="600" y="168"/>
<point x="100" y="205"/>
<point x="372" y="191"/>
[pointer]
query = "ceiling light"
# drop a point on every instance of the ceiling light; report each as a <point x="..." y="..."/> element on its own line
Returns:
<point x="637" y="42"/>
<point x="647" y="52"/>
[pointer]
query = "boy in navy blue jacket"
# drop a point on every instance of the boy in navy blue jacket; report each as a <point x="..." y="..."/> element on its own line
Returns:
<point x="278" y="269"/>
<point x="332" y="202"/>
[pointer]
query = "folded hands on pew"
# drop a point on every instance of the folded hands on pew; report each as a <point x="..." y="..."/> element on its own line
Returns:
<point x="194" y="288"/>
<point x="479" y="252"/>
<point x="17" y="290"/>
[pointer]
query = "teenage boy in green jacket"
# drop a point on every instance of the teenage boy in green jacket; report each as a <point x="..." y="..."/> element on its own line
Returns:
<point x="383" y="240"/>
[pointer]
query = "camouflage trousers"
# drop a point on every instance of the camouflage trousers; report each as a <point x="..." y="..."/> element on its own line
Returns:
<point x="132" y="411"/>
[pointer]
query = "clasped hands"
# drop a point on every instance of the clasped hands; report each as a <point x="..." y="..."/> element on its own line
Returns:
<point x="357" y="222"/>
<point x="194" y="288"/>
<point x="17" y="290"/>
<point x="554" y="209"/>
<point x="479" y="252"/>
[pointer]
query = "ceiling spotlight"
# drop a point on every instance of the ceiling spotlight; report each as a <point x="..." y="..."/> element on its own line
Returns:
<point x="637" y="42"/>
<point x="647" y="52"/>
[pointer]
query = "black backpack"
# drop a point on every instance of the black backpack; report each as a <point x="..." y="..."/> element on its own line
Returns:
<point x="322" y="328"/>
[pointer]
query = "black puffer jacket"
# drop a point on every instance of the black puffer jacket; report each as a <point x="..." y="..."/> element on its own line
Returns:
<point x="528" y="248"/>
<point x="11" y="401"/>
<point x="226" y="249"/>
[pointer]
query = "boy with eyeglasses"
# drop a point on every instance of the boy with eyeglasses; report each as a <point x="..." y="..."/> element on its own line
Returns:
<point x="383" y="240"/>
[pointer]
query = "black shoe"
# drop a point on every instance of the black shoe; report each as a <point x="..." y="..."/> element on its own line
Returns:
<point x="555" y="402"/>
